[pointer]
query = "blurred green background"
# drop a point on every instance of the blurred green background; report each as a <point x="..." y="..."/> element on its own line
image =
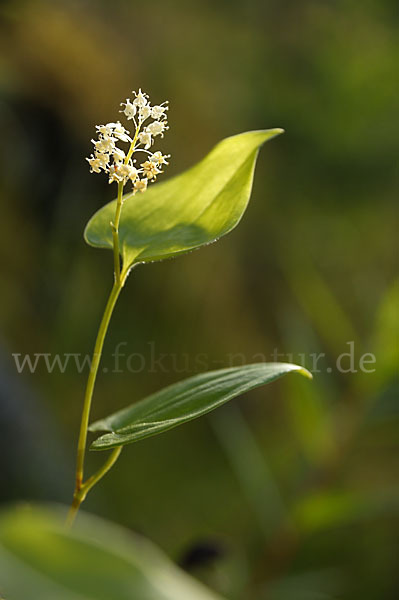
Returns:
<point x="290" y="492"/>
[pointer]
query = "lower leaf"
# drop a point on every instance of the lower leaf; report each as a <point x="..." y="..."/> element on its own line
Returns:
<point x="184" y="401"/>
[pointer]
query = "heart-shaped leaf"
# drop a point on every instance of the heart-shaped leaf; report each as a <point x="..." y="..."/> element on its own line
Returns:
<point x="41" y="560"/>
<point x="188" y="211"/>
<point x="184" y="401"/>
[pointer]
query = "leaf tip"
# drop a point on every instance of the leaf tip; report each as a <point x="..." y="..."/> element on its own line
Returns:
<point x="305" y="373"/>
<point x="277" y="131"/>
<point x="269" y="134"/>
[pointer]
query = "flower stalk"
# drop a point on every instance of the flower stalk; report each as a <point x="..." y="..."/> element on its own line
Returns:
<point x="115" y="234"/>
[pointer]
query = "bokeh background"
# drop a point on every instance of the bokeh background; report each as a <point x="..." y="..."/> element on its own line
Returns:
<point x="290" y="492"/>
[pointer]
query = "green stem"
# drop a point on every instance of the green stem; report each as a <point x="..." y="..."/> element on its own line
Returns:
<point x="92" y="379"/>
<point x="115" y="233"/>
<point x="91" y="482"/>
<point x="81" y="488"/>
<point x="133" y="144"/>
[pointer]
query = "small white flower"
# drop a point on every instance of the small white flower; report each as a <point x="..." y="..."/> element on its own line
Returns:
<point x="95" y="164"/>
<point x="118" y="155"/>
<point x="157" y="127"/>
<point x="133" y="174"/>
<point x="150" y="170"/>
<point x="145" y="138"/>
<point x="158" y="111"/>
<point x="129" y="110"/>
<point x="114" y="174"/>
<point x="127" y="171"/>
<point x="140" y="99"/>
<point x="103" y="159"/>
<point x="105" y="143"/>
<point x="105" y="129"/>
<point x="140" y="185"/>
<point x="121" y="133"/>
<point x="144" y="112"/>
<point x="159" y="159"/>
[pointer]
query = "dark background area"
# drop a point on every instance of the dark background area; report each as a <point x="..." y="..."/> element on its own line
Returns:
<point x="290" y="492"/>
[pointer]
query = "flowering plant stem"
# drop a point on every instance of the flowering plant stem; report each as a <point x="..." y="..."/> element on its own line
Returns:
<point x="82" y="488"/>
<point x="120" y="168"/>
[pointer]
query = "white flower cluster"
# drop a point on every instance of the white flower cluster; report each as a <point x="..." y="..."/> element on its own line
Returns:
<point x="120" y="166"/>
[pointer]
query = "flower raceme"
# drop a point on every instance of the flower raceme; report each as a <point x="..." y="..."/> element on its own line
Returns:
<point x="120" y="166"/>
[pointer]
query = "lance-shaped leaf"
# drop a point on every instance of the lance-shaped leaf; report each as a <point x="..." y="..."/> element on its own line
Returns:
<point x="184" y="401"/>
<point x="41" y="560"/>
<point x="188" y="211"/>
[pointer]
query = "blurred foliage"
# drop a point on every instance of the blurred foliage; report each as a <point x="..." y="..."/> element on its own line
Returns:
<point x="296" y="487"/>
<point x="101" y="561"/>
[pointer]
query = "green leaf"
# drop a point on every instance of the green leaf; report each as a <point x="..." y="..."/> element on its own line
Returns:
<point x="184" y="401"/>
<point x="97" y="560"/>
<point x="188" y="211"/>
